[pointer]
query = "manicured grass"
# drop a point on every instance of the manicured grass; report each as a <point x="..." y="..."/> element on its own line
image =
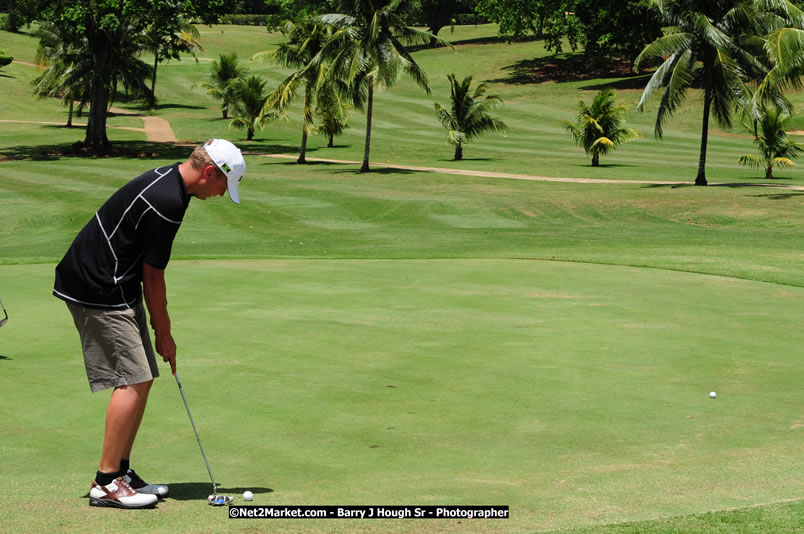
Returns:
<point x="419" y="338"/>
<point x="577" y="394"/>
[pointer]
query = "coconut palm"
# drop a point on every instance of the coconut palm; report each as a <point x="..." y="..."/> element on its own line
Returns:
<point x="775" y="149"/>
<point x="222" y="76"/>
<point x="715" y="45"/>
<point x="468" y="116"/>
<point x="598" y="128"/>
<point x="247" y="103"/>
<point x="331" y="109"/>
<point x="66" y="71"/>
<point x="368" y="49"/>
<point x="304" y="42"/>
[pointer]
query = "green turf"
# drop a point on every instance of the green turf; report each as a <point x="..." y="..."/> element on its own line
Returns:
<point x="415" y="338"/>
<point x="577" y="394"/>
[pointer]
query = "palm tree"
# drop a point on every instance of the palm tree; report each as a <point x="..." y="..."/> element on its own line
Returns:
<point x="714" y="45"/>
<point x="775" y="149"/>
<point x="223" y="74"/>
<point x="331" y="109"/>
<point x="304" y="42"/>
<point x="368" y="48"/>
<point x="598" y="128"/>
<point x="66" y="71"/>
<point x="468" y="116"/>
<point x="702" y="50"/>
<point x="247" y="103"/>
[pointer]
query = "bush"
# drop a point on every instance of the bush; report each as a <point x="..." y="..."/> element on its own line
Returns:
<point x="4" y="59"/>
<point x="466" y="19"/>
<point x="245" y="20"/>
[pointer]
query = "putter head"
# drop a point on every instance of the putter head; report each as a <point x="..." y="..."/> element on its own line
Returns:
<point x="219" y="500"/>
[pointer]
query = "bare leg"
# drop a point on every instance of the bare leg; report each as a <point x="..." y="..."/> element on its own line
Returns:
<point x="123" y="417"/>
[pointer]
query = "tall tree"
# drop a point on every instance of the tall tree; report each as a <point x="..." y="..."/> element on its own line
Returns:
<point x="108" y="32"/>
<point x="305" y="41"/>
<point x="223" y="74"/>
<point x="369" y="46"/>
<point x="599" y="126"/>
<point x="468" y="116"/>
<point x="773" y="145"/>
<point x="604" y="28"/>
<point x="712" y="46"/>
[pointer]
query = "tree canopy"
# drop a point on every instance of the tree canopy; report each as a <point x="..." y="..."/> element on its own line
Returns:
<point x="107" y="33"/>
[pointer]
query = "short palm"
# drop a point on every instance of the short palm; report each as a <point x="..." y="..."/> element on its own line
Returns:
<point x="248" y="100"/>
<point x="775" y="149"/>
<point x="468" y="116"/>
<point x="599" y="126"/>
<point x="223" y="74"/>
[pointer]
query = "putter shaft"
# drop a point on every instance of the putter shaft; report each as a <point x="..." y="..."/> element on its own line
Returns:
<point x="204" y="454"/>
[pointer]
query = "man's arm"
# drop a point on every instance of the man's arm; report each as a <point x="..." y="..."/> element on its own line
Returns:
<point x="154" y="289"/>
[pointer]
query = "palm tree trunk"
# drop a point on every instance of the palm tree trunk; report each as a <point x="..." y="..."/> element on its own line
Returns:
<point x="303" y="146"/>
<point x="595" y="159"/>
<point x="458" y="152"/>
<point x="331" y="141"/>
<point x="250" y="133"/>
<point x="769" y="172"/>
<point x="701" y="178"/>
<point x="365" y="167"/>
<point x="70" y="114"/>
<point x="308" y="97"/>
<point x="153" y="80"/>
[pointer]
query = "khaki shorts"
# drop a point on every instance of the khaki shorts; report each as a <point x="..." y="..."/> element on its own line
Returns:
<point x="117" y="346"/>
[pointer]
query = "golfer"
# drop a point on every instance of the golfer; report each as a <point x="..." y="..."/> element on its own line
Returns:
<point x="117" y="257"/>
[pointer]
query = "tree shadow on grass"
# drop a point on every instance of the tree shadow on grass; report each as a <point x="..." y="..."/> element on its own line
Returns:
<point x="459" y="161"/>
<point x="4" y="357"/>
<point x="476" y="41"/>
<point x="774" y="196"/>
<point x="563" y="68"/>
<point x="782" y="196"/>
<point x="144" y="150"/>
<point x="355" y="170"/>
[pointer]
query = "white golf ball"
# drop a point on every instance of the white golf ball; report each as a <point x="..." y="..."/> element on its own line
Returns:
<point x="712" y="395"/>
<point x="248" y="496"/>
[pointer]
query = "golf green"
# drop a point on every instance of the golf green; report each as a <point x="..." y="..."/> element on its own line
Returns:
<point x="577" y="394"/>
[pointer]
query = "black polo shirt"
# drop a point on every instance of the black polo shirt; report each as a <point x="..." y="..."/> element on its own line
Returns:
<point x="103" y="266"/>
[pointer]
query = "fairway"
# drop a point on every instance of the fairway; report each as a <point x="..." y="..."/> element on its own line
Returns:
<point x="435" y="332"/>
<point x="577" y="394"/>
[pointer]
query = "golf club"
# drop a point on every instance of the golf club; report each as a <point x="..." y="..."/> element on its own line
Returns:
<point x="4" y="320"/>
<point x="214" y="499"/>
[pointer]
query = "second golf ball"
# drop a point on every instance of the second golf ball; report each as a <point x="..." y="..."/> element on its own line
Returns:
<point x="712" y="395"/>
<point x="247" y="495"/>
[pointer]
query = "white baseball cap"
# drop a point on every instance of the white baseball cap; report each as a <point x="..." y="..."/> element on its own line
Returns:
<point x="229" y="160"/>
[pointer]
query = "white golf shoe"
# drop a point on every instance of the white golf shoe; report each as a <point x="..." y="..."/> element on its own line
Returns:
<point x="118" y="494"/>
<point x="139" y="485"/>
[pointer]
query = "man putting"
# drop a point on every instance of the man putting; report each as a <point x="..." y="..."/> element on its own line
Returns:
<point x="117" y="257"/>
